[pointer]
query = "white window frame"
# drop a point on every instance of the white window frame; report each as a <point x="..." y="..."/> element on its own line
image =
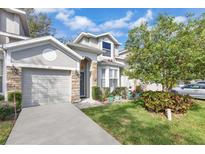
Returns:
<point x="113" y="76"/>
<point x="107" y="49"/>
<point x="103" y="77"/>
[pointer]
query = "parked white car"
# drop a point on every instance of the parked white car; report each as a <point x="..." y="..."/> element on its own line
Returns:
<point x="201" y="82"/>
<point x="193" y="90"/>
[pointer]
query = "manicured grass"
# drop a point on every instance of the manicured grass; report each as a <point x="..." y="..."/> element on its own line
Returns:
<point x="130" y="123"/>
<point x="5" y="129"/>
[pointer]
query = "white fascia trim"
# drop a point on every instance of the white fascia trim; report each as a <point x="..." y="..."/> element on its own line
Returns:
<point x="95" y="36"/>
<point x="23" y="16"/>
<point x="41" y="66"/>
<point x="16" y="11"/>
<point x="13" y="35"/>
<point x="104" y="34"/>
<point x="87" y="48"/>
<point x="41" y="39"/>
<point x="123" y="52"/>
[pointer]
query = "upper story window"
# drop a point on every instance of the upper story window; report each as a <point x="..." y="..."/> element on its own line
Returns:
<point x="106" y="47"/>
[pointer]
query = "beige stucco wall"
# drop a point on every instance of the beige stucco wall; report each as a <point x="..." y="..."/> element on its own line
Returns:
<point x="34" y="56"/>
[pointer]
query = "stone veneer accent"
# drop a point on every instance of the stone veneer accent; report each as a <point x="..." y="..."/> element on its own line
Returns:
<point x="93" y="70"/>
<point x="13" y="79"/>
<point x="75" y="91"/>
<point x="14" y="82"/>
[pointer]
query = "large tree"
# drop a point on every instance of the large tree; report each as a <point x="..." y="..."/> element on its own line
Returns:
<point x="167" y="52"/>
<point x="39" y="23"/>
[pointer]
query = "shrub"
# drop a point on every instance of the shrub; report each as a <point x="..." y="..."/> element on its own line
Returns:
<point x="6" y="110"/>
<point x="138" y="89"/>
<point x="159" y="101"/>
<point x="1" y="97"/>
<point x="18" y="96"/>
<point x="96" y="93"/>
<point x="120" y="91"/>
<point x="105" y="93"/>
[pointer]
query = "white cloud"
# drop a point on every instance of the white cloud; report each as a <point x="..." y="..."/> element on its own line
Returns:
<point x="64" y="15"/>
<point x="74" y="22"/>
<point x="117" y="33"/>
<point x="118" y="23"/>
<point x="84" y="23"/>
<point x="47" y="10"/>
<point x="80" y="22"/>
<point x="142" y="20"/>
<point x="180" y="19"/>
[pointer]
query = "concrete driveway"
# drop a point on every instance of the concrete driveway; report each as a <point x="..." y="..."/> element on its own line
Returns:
<point x="57" y="124"/>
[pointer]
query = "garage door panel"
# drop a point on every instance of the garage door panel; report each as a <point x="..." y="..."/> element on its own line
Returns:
<point x="41" y="86"/>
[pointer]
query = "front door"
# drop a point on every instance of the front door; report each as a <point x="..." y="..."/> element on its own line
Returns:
<point x="82" y="84"/>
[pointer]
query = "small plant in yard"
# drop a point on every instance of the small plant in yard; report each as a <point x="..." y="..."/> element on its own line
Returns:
<point x="156" y="101"/>
<point x="105" y="93"/>
<point x="138" y="89"/>
<point x="18" y="97"/>
<point x="96" y="93"/>
<point x="6" y="110"/>
<point x="1" y="97"/>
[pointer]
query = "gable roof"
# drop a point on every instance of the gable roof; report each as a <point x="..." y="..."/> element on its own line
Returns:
<point x="40" y="40"/>
<point x="84" y="34"/>
<point x="23" y="18"/>
<point x="85" y="48"/>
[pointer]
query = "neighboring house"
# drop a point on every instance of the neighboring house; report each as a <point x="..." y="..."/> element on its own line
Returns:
<point x="13" y="26"/>
<point x="125" y="81"/>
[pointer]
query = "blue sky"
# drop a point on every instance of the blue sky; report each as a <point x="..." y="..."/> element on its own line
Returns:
<point x="70" y="22"/>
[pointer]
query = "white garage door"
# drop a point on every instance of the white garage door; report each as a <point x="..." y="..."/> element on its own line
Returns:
<point x="42" y="86"/>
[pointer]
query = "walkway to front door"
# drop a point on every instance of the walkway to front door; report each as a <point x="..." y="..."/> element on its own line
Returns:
<point x="61" y="123"/>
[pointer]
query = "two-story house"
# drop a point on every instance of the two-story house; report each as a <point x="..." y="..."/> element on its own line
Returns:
<point x="47" y="71"/>
<point x="107" y="66"/>
<point x="13" y="28"/>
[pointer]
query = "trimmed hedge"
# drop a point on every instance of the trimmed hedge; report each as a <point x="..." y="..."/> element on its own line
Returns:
<point x="6" y="110"/>
<point x="159" y="101"/>
<point x="96" y="93"/>
<point x="120" y="91"/>
<point x="1" y="97"/>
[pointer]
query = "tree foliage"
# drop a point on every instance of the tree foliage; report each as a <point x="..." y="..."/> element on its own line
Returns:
<point x="39" y="23"/>
<point x="168" y="52"/>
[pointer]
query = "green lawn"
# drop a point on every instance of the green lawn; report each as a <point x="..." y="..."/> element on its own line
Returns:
<point x="132" y="124"/>
<point x="5" y="129"/>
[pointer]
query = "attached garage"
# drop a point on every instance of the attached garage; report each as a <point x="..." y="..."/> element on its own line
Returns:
<point x="45" y="86"/>
<point x="44" y="70"/>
